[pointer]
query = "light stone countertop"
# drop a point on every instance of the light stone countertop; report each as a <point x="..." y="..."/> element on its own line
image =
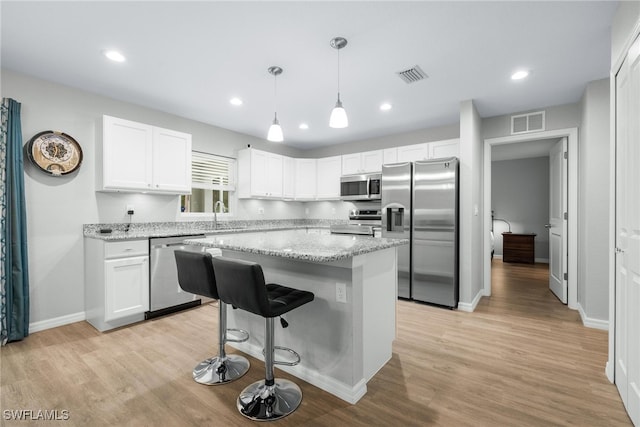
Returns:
<point x="185" y="228"/>
<point x="299" y="244"/>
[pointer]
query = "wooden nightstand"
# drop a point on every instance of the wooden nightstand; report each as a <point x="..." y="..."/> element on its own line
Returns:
<point x="518" y="247"/>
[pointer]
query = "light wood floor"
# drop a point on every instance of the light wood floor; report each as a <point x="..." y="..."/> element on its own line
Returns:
<point x="521" y="359"/>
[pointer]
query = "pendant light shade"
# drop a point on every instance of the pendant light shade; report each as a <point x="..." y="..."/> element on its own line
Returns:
<point x="275" y="130"/>
<point x="338" y="117"/>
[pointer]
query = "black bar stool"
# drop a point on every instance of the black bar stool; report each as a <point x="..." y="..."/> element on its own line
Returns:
<point x="241" y="284"/>
<point x="195" y="275"/>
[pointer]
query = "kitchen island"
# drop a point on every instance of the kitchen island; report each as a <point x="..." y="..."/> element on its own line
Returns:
<point x="345" y="335"/>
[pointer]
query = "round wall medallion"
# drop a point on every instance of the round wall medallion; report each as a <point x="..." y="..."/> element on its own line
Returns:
<point x="55" y="153"/>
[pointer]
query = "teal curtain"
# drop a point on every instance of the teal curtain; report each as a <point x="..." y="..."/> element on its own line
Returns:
<point x="14" y="273"/>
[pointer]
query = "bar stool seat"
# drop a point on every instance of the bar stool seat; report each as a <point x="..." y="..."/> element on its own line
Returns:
<point x="195" y="275"/>
<point x="241" y="284"/>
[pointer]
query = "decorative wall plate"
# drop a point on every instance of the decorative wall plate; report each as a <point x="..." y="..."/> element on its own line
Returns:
<point x="55" y="153"/>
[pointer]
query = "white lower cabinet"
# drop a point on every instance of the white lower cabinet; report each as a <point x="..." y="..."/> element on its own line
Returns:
<point x="126" y="290"/>
<point x="116" y="282"/>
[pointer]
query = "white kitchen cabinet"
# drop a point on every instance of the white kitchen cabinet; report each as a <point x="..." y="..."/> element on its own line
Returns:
<point x="390" y="155"/>
<point x="116" y="282"/>
<point x="328" y="178"/>
<point x="428" y="150"/>
<point x="440" y="149"/>
<point x="368" y="161"/>
<point x="140" y="157"/>
<point x="288" y="177"/>
<point x="305" y="179"/>
<point x="411" y="153"/>
<point x="260" y="174"/>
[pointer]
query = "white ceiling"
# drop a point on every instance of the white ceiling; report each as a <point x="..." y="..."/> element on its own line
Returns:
<point x="190" y="58"/>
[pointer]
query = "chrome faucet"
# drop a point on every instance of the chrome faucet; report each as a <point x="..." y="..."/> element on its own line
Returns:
<point x="215" y="213"/>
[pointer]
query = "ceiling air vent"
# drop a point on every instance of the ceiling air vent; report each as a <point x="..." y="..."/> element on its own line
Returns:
<point x="525" y="123"/>
<point x="412" y="75"/>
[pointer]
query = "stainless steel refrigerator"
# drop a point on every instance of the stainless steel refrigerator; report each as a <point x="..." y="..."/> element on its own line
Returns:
<point x="420" y="203"/>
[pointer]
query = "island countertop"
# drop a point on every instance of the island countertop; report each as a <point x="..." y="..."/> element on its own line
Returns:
<point x="298" y="244"/>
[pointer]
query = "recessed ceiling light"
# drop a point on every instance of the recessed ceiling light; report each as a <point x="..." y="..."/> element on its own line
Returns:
<point x="385" y="106"/>
<point x="519" y="75"/>
<point x="235" y="101"/>
<point x="114" y="55"/>
<point x="303" y="126"/>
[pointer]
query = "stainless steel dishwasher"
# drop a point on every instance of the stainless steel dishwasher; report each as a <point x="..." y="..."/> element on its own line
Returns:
<point x="165" y="294"/>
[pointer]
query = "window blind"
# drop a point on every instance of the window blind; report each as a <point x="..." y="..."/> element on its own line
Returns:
<point x="212" y="172"/>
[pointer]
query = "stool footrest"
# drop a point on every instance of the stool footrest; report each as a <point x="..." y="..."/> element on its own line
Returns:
<point x="282" y="362"/>
<point x="244" y="335"/>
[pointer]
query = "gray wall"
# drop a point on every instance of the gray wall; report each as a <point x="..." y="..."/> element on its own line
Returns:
<point x="593" y="202"/>
<point x="57" y="207"/>
<point x="626" y="17"/>
<point x="471" y="198"/>
<point x="556" y="117"/>
<point x="520" y="195"/>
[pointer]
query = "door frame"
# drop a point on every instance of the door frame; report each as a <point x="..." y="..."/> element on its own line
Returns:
<point x="572" y="204"/>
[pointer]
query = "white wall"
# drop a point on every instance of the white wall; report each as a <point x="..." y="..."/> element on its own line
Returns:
<point x="471" y="233"/>
<point x="58" y="207"/>
<point x="520" y="195"/>
<point x="593" y="202"/>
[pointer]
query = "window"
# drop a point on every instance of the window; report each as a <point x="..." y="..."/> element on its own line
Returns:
<point x="212" y="180"/>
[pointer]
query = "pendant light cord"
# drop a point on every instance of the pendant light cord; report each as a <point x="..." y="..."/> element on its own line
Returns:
<point x="275" y="94"/>
<point x="338" y="73"/>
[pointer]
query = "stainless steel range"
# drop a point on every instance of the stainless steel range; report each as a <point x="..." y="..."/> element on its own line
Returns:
<point x="364" y="222"/>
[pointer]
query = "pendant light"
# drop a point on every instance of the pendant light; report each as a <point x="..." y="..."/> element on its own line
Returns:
<point x="275" y="131"/>
<point x="338" y="117"/>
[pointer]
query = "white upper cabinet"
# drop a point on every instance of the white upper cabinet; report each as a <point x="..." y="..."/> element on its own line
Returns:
<point x="428" y="150"/>
<point x="305" y="179"/>
<point x="390" y="155"/>
<point x="328" y="178"/>
<point x="260" y="174"/>
<point x="440" y="149"/>
<point x="288" y="177"/>
<point x="369" y="161"/>
<point x="140" y="157"/>
<point x="411" y="153"/>
<point x="171" y="161"/>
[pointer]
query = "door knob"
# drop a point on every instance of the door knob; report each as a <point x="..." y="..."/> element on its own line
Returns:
<point x="619" y="251"/>
<point x="547" y="226"/>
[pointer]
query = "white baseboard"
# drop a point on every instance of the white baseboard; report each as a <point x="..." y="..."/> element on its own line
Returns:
<point x="350" y="394"/>
<point x="470" y="307"/>
<point x="496" y="256"/>
<point x="540" y="260"/>
<point x="608" y="370"/>
<point x="592" y="323"/>
<point x="57" y="321"/>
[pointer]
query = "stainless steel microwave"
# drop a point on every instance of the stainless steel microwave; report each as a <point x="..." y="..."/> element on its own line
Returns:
<point x="360" y="186"/>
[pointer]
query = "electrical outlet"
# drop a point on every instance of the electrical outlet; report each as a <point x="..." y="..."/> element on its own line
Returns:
<point x="341" y="292"/>
<point x="333" y="211"/>
<point x="130" y="209"/>
<point x="261" y="210"/>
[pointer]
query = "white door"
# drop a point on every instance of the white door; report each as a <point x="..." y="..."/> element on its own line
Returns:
<point x="627" y="314"/>
<point x="557" y="223"/>
<point x="127" y="154"/>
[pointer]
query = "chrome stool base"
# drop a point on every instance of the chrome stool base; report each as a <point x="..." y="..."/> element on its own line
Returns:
<point x="216" y="371"/>
<point x="260" y="402"/>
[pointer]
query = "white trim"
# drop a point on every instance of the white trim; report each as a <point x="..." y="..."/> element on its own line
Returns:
<point x="350" y="394"/>
<point x="542" y="260"/>
<point x="572" y="267"/>
<point x="592" y="323"/>
<point x="56" y="321"/>
<point x="470" y="307"/>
